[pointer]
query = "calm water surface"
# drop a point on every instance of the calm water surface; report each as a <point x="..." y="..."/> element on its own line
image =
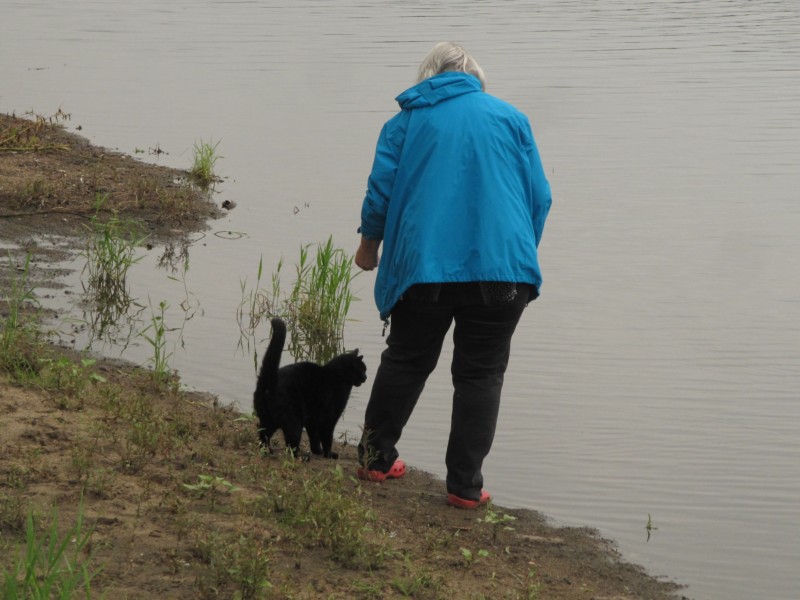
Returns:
<point x="658" y="374"/>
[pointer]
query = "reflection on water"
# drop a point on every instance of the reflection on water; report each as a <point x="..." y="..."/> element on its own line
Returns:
<point x="656" y="377"/>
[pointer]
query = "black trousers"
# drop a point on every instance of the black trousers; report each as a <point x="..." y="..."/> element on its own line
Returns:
<point x="482" y="341"/>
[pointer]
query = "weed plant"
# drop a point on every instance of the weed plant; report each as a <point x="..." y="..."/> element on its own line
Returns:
<point x="20" y="338"/>
<point x="156" y="335"/>
<point x="205" y="159"/>
<point x="315" y="308"/>
<point x="325" y="512"/>
<point x="110" y="252"/>
<point x="25" y="138"/>
<point x="70" y="378"/>
<point x="50" y="565"/>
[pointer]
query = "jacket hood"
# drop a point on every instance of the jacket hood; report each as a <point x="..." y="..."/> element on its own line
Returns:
<point x="438" y="88"/>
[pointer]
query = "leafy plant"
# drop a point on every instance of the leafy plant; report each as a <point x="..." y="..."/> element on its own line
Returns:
<point x="470" y="557"/>
<point x="496" y="521"/>
<point x="210" y="484"/>
<point x="156" y="335"/>
<point x="69" y="376"/>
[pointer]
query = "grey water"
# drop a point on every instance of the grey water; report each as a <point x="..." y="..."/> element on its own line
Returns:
<point x="657" y="377"/>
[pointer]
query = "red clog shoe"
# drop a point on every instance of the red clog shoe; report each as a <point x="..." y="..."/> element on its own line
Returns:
<point x="460" y="502"/>
<point x="396" y="472"/>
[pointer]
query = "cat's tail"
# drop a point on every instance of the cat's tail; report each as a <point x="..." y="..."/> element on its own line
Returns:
<point x="268" y="375"/>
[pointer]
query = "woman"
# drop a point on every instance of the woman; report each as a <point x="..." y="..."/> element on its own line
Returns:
<point x="458" y="197"/>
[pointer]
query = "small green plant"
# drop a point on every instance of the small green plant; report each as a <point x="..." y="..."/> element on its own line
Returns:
<point x="12" y="512"/>
<point x="496" y="521"/>
<point x="68" y="376"/>
<point x="209" y="486"/>
<point x="469" y="557"/>
<point x="330" y="515"/>
<point x="156" y="335"/>
<point x="110" y="252"/>
<point x="649" y="527"/>
<point x="35" y="190"/>
<point x="532" y="585"/>
<point x="238" y="560"/>
<point x="20" y="337"/>
<point x="51" y="565"/>
<point x="417" y="584"/>
<point x="205" y="158"/>
<point x="315" y="308"/>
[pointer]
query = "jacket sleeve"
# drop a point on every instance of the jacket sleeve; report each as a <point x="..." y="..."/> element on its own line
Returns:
<point x="379" y="186"/>
<point x="541" y="198"/>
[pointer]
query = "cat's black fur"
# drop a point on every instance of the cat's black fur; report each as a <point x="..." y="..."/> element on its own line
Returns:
<point x="304" y="395"/>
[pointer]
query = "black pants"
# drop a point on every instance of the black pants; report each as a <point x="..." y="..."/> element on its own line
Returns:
<point x="482" y="341"/>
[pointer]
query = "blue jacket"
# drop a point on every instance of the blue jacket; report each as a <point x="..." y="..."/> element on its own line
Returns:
<point x="457" y="191"/>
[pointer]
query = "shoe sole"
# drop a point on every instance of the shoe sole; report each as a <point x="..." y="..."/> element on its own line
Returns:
<point x="459" y="502"/>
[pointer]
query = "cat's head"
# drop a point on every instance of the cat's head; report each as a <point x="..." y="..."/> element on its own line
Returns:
<point x="355" y="367"/>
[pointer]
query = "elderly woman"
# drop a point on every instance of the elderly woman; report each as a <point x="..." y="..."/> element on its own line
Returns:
<point x="458" y="197"/>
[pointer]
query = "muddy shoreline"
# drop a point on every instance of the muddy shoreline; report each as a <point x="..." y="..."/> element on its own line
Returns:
<point x="47" y="195"/>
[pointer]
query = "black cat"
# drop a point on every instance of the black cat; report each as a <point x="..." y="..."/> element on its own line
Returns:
<point x="304" y="394"/>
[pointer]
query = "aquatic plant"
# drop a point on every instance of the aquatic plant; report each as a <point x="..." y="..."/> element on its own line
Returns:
<point x="156" y="335"/>
<point x="19" y="329"/>
<point x="110" y="252"/>
<point x="315" y="308"/>
<point x="205" y="158"/>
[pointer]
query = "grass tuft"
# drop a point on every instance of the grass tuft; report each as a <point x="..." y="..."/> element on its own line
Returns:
<point x="315" y="308"/>
<point x="50" y="565"/>
<point x="205" y="159"/>
<point x="20" y="337"/>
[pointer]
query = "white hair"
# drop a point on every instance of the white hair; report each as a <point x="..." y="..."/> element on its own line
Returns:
<point x="447" y="56"/>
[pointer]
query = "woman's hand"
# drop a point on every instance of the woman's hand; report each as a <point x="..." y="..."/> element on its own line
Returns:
<point x="367" y="254"/>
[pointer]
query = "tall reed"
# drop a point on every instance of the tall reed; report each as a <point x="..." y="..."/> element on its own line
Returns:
<point x="205" y="159"/>
<point x="110" y="252"/>
<point x="315" y="307"/>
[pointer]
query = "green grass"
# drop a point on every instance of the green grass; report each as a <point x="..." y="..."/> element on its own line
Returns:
<point x="20" y="338"/>
<point x="315" y="307"/>
<point x="50" y="565"/>
<point x="205" y="160"/>
<point x="110" y="252"/>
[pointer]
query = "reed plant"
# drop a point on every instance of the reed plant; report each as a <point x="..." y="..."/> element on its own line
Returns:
<point x="205" y="159"/>
<point x="110" y="252"/>
<point x="19" y="329"/>
<point x="315" y="307"/>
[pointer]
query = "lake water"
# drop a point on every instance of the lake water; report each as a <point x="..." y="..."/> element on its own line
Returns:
<point x="659" y="373"/>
